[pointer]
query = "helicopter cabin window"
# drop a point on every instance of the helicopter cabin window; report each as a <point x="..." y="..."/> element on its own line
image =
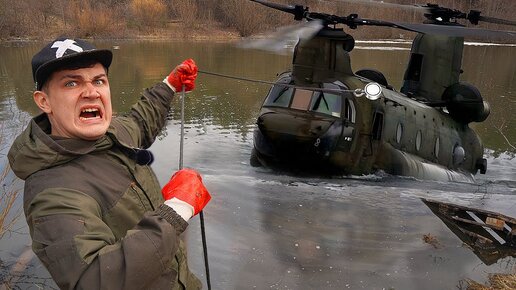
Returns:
<point x="301" y="99"/>
<point x="349" y="110"/>
<point x="436" y="147"/>
<point x="399" y="133"/>
<point x="419" y="138"/>
<point x="279" y="96"/>
<point x="326" y="103"/>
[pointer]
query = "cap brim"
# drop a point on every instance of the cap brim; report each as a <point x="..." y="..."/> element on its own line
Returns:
<point x="103" y="56"/>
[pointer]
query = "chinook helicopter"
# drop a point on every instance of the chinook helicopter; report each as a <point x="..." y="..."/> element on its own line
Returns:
<point x="323" y="116"/>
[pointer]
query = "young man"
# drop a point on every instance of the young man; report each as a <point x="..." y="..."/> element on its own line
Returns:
<point x="97" y="216"/>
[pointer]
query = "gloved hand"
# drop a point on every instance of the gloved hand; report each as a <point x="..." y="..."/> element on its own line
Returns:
<point x="183" y="74"/>
<point x="186" y="188"/>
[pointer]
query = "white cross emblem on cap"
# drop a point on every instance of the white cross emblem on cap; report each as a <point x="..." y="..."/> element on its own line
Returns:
<point x="62" y="46"/>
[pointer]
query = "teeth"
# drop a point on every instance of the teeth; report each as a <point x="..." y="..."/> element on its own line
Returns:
<point x="83" y="118"/>
<point x="89" y="110"/>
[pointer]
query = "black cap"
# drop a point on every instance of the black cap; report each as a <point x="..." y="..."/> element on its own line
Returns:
<point x="65" y="51"/>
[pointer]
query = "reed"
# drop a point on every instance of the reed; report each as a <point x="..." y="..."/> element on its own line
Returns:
<point x="10" y="189"/>
<point x="187" y="12"/>
<point x="93" y="19"/>
<point x="148" y="14"/>
<point x="119" y="18"/>
<point x="494" y="282"/>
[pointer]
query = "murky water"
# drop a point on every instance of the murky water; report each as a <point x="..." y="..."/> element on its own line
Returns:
<point x="269" y="230"/>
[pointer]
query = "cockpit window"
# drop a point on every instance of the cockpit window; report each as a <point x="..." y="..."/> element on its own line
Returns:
<point x="327" y="103"/>
<point x="301" y="99"/>
<point x="279" y="96"/>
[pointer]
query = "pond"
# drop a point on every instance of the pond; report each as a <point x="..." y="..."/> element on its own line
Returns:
<point x="270" y="230"/>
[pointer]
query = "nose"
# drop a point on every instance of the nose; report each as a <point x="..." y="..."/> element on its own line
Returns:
<point x="90" y="91"/>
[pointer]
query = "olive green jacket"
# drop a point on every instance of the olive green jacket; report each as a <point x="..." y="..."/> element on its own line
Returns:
<point x="97" y="218"/>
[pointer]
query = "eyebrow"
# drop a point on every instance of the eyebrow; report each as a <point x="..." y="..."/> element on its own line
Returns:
<point x="76" y="76"/>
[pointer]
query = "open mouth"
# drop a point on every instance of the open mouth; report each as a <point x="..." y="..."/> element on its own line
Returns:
<point x="89" y="114"/>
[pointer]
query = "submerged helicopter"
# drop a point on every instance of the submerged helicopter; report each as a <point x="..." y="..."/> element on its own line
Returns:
<point x="322" y="115"/>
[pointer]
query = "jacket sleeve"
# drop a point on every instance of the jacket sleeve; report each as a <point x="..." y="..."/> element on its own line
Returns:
<point x="81" y="252"/>
<point x="150" y="113"/>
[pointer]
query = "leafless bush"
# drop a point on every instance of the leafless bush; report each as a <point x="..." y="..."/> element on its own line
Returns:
<point x="17" y="274"/>
<point x="244" y="16"/>
<point x="7" y="199"/>
<point x="148" y="13"/>
<point x="495" y="281"/>
<point x="187" y="12"/>
<point x="93" y="19"/>
<point x="110" y="18"/>
<point x="14" y="21"/>
<point x="9" y="191"/>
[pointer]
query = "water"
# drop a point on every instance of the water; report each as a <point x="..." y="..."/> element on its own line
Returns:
<point x="270" y="230"/>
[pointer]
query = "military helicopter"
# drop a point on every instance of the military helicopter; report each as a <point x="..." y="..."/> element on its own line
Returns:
<point x="323" y="116"/>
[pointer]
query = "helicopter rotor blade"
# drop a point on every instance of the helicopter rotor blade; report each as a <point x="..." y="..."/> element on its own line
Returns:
<point x="278" y="40"/>
<point x="297" y="10"/>
<point x="455" y="30"/>
<point x="442" y="20"/>
<point x="386" y="4"/>
<point x="284" y="8"/>
<point x="434" y="11"/>
<point x="496" y="20"/>
<point x="448" y="30"/>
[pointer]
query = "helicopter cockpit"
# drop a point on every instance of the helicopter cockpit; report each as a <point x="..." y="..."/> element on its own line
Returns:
<point x="325" y="103"/>
<point x="306" y="121"/>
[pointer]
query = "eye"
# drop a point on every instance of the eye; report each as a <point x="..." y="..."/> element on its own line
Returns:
<point x="98" y="82"/>
<point x="71" y="84"/>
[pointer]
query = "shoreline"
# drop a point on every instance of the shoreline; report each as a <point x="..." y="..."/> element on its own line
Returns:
<point x="173" y="32"/>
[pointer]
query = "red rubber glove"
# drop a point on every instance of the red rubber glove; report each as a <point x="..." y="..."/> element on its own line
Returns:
<point x="183" y="74"/>
<point x="186" y="185"/>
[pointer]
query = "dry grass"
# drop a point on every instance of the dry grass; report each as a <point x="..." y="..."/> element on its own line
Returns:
<point x="120" y="18"/>
<point x="431" y="240"/>
<point x="104" y="23"/>
<point x="495" y="282"/>
<point x="187" y="11"/>
<point x="148" y="13"/>
<point x="8" y="194"/>
<point x="245" y="17"/>
<point x="7" y="199"/>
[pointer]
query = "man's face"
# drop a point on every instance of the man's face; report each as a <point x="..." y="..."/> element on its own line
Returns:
<point x="77" y="102"/>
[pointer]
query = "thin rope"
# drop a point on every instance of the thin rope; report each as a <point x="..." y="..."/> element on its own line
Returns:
<point x="181" y="142"/>
<point x="201" y="213"/>
<point x="278" y="84"/>
<point x="205" y="249"/>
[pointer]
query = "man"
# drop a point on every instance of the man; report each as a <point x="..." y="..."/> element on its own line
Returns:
<point x="96" y="214"/>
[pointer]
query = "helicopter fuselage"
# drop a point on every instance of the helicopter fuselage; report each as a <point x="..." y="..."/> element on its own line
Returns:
<point x="330" y="128"/>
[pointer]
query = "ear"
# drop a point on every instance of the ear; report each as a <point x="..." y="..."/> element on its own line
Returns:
<point x="41" y="99"/>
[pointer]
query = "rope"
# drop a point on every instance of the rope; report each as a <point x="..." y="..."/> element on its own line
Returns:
<point x="279" y="84"/>
<point x="181" y="144"/>
<point x="201" y="213"/>
<point x="205" y="249"/>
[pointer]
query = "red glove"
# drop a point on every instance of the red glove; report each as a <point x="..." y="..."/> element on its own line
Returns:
<point x="183" y="74"/>
<point x="186" y="185"/>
